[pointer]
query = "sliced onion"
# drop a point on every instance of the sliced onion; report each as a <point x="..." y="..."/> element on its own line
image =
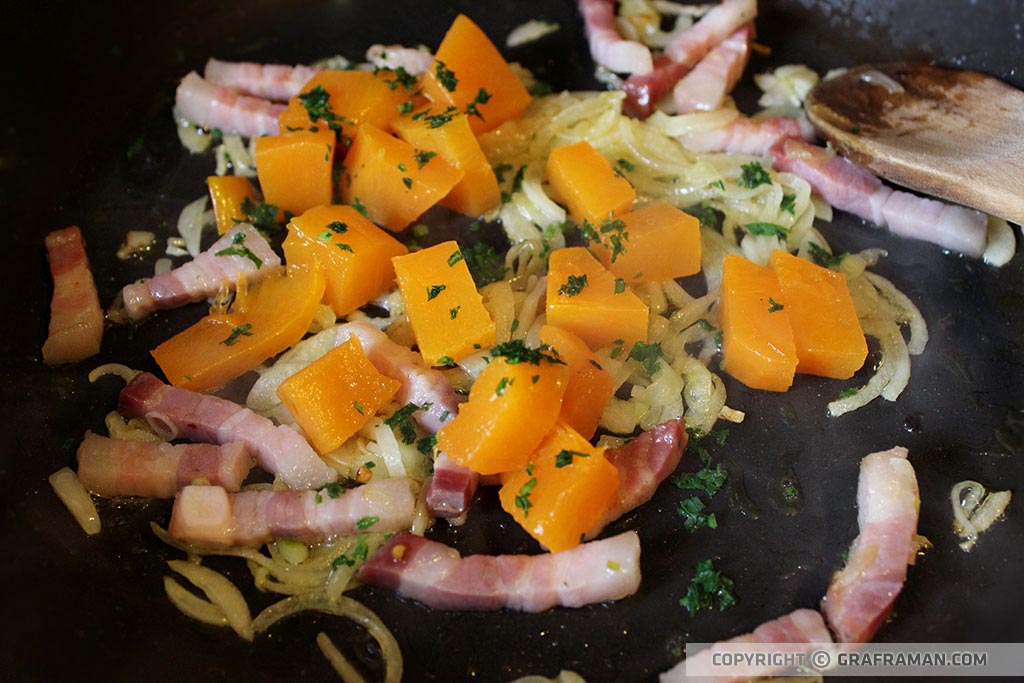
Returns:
<point x="1001" y="243"/>
<point x="912" y="315"/>
<point x="122" y="371"/>
<point x="530" y="31"/>
<point x="338" y="662"/>
<point x="136" y="242"/>
<point x="162" y="265"/>
<point x="76" y="499"/>
<point x="191" y="221"/>
<point x="221" y="592"/>
<point x="192" y="605"/>
<point x="975" y="510"/>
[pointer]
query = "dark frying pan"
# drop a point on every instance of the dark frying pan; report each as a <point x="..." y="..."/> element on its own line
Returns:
<point x="88" y="139"/>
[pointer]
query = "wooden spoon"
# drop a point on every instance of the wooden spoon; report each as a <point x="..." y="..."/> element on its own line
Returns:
<point x="953" y="134"/>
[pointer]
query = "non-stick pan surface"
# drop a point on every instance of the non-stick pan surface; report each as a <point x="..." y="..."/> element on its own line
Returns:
<point x="88" y="139"/>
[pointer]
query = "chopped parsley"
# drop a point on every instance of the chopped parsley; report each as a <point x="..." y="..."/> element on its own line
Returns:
<point x="617" y="235"/>
<point x="565" y="456"/>
<point x="707" y="586"/>
<point x="822" y="257"/>
<point x="434" y="290"/>
<point x="540" y="88"/>
<point x="705" y="325"/>
<point x="618" y="348"/>
<point x="625" y="165"/>
<point x="788" y="204"/>
<point x="774" y="305"/>
<point x="753" y="175"/>
<point x="517" y="185"/>
<point x="647" y="355"/>
<point x="405" y="107"/>
<point x="516" y="351"/>
<point x="768" y="230"/>
<point x="620" y="285"/>
<point x="401" y="420"/>
<point x="422" y="157"/>
<point x="707" y="479"/>
<point x="407" y="181"/>
<point x="238" y="248"/>
<point x="504" y="384"/>
<point x="588" y="233"/>
<point x="482" y="97"/>
<point x="574" y="285"/>
<point x="358" y="553"/>
<point x="708" y="217"/>
<point x="427" y="444"/>
<point x="523" y="497"/>
<point x="360" y="408"/>
<point x="445" y="76"/>
<point x="318" y="105"/>
<point x="453" y="313"/>
<point x="500" y="170"/>
<point x="485" y="264"/>
<point x="445" y="360"/>
<point x="240" y="331"/>
<point x="847" y="393"/>
<point x="717" y="184"/>
<point x="692" y="511"/>
<point x="402" y="78"/>
<point x="333" y="490"/>
<point x="366" y="522"/>
<point x="358" y="205"/>
<point x="455" y="257"/>
<point x="438" y="120"/>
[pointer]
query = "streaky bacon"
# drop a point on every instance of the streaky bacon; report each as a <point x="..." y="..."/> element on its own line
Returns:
<point x="607" y="47"/>
<point x="643" y="464"/>
<point x="450" y="488"/>
<point x="76" y="319"/>
<point x="861" y="595"/>
<point x="683" y="53"/>
<point x="204" y="276"/>
<point x="434" y="574"/>
<point x="209" y="515"/>
<point x="849" y="187"/>
<point x="803" y="631"/>
<point x="748" y="136"/>
<point x="215" y="106"/>
<point x="175" y="412"/>
<point x="707" y="85"/>
<point x="277" y="82"/>
<point x="413" y="60"/>
<point x="109" y="467"/>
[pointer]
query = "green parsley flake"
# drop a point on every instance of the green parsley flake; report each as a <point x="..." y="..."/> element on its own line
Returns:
<point x="366" y="522"/>
<point x="823" y="258"/>
<point x="718" y="184"/>
<point x="438" y="120"/>
<point x="516" y="351"/>
<point x="402" y="78"/>
<point x="358" y="205"/>
<point x="503" y="384"/>
<point x="402" y="420"/>
<point x="453" y="313"/>
<point x="620" y="285"/>
<point x="788" y="204"/>
<point x="707" y="479"/>
<point x="445" y="76"/>
<point x="407" y="181"/>
<point x="240" y="331"/>
<point x="318" y="105"/>
<point x="565" y="456"/>
<point x="707" y="586"/>
<point x="523" y="498"/>
<point x="691" y="510"/>
<point x="427" y="444"/>
<point x="423" y="157"/>
<point x="482" y="97"/>
<point x="485" y="264"/>
<point x="647" y="355"/>
<point x="434" y="290"/>
<point x="360" y="408"/>
<point x="445" y="360"/>
<point x="847" y="393"/>
<point x="455" y="257"/>
<point x="753" y="175"/>
<point x="359" y="553"/>
<point x="768" y="230"/>
<point x="238" y="248"/>
<point x="405" y="107"/>
<point x="325" y="236"/>
<point x="614" y="566"/>
<point x="774" y="305"/>
<point x="574" y="285"/>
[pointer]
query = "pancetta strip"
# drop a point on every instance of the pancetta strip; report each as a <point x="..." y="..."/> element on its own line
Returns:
<point x="205" y="275"/>
<point x="748" y="136"/>
<point x="277" y="82"/>
<point x="450" y="489"/>
<point x="803" y="630"/>
<point x="861" y="595"/>
<point x="607" y="47"/>
<point x="175" y="412"/>
<point x="110" y="467"/>
<point x="643" y="464"/>
<point x="209" y="515"/>
<point x="706" y="87"/>
<point x="215" y="106"/>
<point x="848" y="187"/>
<point x="76" y="319"/>
<point x="684" y="52"/>
<point x="434" y="574"/>
<point x="413" y="60"/>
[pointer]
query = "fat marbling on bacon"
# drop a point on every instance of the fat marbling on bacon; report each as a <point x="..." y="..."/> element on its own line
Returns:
<point x="748" y="136"/>
<point x="607" y="47"/>
<point x="216" y="106"/>
<point x="435" y="575"/>
<point x="205" y="275"/>
<point x="707" y="85"/>
<point x="175" y="412"/>
<point x="450" y="488"/>
<point x="277" y="82"/>
<point x="76" y="319"/>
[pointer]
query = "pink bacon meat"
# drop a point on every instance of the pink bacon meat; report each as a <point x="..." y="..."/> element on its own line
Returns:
<point x="643" y="464"/>
<point x="205" y="275"/>
<point x="215" y="106"/>
<point x="706" y="87"/>
<point x="803" y="630"/>
<point x="684" y="52"/>
<point x="861" y="595"/>
<point x="76" y="319"/>
<point x="748" y="136"/>
<point x="175" y="412"/>
<point x="848" y="187"/>
<point x="434" y="574"/>
<point x="607" y="47"/>
<point x="450" y="489"/>
<point x="209" y="515"/>
<point x="277" y="82"/>
<point x="394" y="57"/>
<point x="109" y="467"/>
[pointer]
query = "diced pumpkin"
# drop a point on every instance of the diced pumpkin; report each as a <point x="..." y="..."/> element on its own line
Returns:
<point x="384" y="175"/>
<point x="477" y="192"/>
<point x="470" y="75"/>
<point x="295" y="169"/>
<point x="353" y="97"/>
<point x="334" y="396"/>
<point x="828" y="337"/>
<point x="654" y="243"/>
<point x="262" y="323"/>
<point x="590" y="386"/>
<point x="584" y="181"/>
<point x="757" y="337"/>
<point x="563" y="491"/>
<point x="586" y="299"/>
<point x="227" y="192"/>
<point x="355" y="254"/>
<point x="446" y="311"/>
<point x="510" y="409"/>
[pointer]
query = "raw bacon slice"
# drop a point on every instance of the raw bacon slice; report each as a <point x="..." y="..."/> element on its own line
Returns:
<point x="209" y="515"/>
<point x="748" y="136"/>
<point x="861" y="595"/>
<point x="684" y="52"/>
<point x="215" y="106"/>
<point x="607" y="47"/>
<point x="803" y="628"/>
<point x="174" y="412"/>
<point x="76" y="319"/>
<point x="705" y="88"/>
<point x="643" y="464"/>
<point x="276" y="82"/>
<point x="109" y="467"/>
<point x="434" y="574"/>
<point x="450" y="489"/>
<point x="205" y="275"/>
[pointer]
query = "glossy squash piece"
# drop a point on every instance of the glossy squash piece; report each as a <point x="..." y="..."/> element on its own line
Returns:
<point x="294" y="169"/>
<point x="651" y="244"/>
<point x="584" y="181"/>
<point x="227" y="193"/>
<point x="590" y="385"/>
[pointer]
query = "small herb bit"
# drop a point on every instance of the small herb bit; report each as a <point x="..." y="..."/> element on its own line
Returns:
<point x="405" y="107"/>
<point x="485" y="264"/>
<point x="325" y="236"/>
<point x="647" y="355"/>
<point x="618" y="236"/>
<point x="423" y="157"/>
<point x="707" y="479"/>
<point x="564" y="457"/>
<point x="438" y="120"/>
<point x="240" y="331"/>
<point x="774" y="305"/>
<point x="534" y="379"/>
<point x="500" y="170"/>
<point x="482" y="97"/>
<point x="768" y="230"/>
<point x="453" y="313"/>
<point x="401" y="166"/>
<point x="517" y="185"/>
<point x="402" y="78"/>
<point x="574" y="285"/>
<point x="708" y="217"/>
<point x="358" y="553"/>
<point x="613" y="565"/>
<point x="847" y="393"/>
<point x="822" y="257"/>
<point x="455" y="257"/>
<point x="625" y="165"/>
<point x="707" y="586"/>
<point x="788" y="204"/>
<point x="318" y="105"/>
<point x="705" y="325"/>
<point x="620" y="285"/>
<point x="401" y="419"/>
<point x="505" y="383"/>
<point x="516" y="351"/>
<point x="238" y="248"/>
<point x="718" y="184"/>
<point x="445" y="361"/>
<point x="789" y="492"/>
<point x="407" y="181"/>
<point x="369" y="464"/>
<point x="618" y="348"/>
<point x="366" y="522"/>
<point x="541" y="88"/>
<point x="588" y="233"/>
<point x="445" y="76"/>
<point x="692" y="511"/>
<point x="523" y="498"/>
<point x="427" y="444"/>
<point x="434" y="290"/>
<point x="419" y="115"/>
<point x="529" y="468"/>
<point x="345" y="247"/>
<point x="263" y="216"/>
<point x="514" y="326"/>
<point x="753" y="175"/>
<point x="360" y="408"/>
<point x="358" y="205"/>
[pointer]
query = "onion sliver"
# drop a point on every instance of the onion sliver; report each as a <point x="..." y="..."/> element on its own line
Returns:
<point x="77" y="500"/>
<point x="221" y="592"/>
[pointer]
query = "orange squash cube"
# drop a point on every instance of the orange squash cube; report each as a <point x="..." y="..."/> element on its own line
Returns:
<point x="227" y="192"/>
<point x="655" y="243"/>
<point x="563" y="490"/>
<point x="590" y="386"/>
<point x="294" y="169"/>
<point x="334" y="396"/>
<point x="586" y="299"/>
<point x="584" y="181"/>
<point x="757" y="337"/>
<point x="470" y="75"/>
<point x="828" y="336"/>
<point x="446" y="311"/>
<point x="354" y="253"/>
